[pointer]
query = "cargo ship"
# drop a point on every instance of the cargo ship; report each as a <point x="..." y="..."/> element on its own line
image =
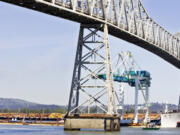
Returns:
<point x="171" y="119"/>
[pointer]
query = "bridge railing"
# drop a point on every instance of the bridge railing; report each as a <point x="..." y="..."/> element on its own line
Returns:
<point x="129" y="16"/>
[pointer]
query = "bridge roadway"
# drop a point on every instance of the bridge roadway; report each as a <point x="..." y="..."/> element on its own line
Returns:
<point x="126" y="19"/>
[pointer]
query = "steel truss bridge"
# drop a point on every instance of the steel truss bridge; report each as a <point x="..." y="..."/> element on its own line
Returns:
<point x="124" y="19"/>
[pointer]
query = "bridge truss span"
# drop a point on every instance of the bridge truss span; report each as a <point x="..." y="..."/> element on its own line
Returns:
<point x="126" y="19"/>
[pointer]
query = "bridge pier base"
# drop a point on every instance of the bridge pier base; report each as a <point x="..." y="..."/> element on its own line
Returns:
<point x="103" y="122"/>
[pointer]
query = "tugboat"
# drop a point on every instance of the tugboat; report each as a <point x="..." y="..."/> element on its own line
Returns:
<point x="151" y="126"/>
<point x="178" y="124"/>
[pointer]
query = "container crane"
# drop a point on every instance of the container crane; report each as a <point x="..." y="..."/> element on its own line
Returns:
<point x="139" y="79"/>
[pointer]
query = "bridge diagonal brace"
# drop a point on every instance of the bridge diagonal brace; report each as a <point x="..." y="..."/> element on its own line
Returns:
<point x="95" y="99"/>
<point x="99" y="94"/>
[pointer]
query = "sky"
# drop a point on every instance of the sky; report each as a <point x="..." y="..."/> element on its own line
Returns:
<point x="37" y="53"/>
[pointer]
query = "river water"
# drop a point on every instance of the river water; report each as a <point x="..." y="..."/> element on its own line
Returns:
<point x="54" y="130"/>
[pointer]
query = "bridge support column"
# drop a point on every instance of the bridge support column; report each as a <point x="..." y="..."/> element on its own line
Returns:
<point x="92" y="58"/>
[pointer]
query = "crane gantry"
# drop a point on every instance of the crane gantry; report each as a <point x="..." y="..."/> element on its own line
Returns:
<point x="139" y="79"/>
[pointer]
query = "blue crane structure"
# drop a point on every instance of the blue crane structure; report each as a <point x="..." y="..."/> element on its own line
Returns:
<point x="140" y="79"/>
<point x="129" y="77"/>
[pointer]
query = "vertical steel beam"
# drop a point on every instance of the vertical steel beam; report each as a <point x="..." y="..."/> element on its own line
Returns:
<point x="76" y="73"/>
<point x="109" y="75"/>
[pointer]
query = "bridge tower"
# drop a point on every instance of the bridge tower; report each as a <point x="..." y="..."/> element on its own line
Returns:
<point x="83" y="62"/>
<point x="87" y="91"/>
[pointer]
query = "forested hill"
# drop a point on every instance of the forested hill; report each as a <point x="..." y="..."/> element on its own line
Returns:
<point x="14" y="104"/>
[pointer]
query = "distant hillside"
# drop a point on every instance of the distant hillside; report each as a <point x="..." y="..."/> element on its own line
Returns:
<point x="154" y="107"/>
<point x="13" y="104"/>
<point x="157" y="107"/>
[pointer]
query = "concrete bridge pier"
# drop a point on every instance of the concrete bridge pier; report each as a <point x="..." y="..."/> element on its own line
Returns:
<point x="106" y="123"/>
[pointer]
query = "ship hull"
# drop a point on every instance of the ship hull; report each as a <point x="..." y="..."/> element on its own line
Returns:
<point x="170" y="120"/>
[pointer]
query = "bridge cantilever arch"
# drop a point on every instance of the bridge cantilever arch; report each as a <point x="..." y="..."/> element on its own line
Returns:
<point x="125" y="19"/>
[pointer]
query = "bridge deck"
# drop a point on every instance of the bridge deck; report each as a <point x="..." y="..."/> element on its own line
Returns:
<point x="68" y="13"/>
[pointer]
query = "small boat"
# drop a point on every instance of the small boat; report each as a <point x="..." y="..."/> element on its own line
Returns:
<point x="25" y="123"/>
<point x="178" y="124"/>
<point x="150" y="128"/>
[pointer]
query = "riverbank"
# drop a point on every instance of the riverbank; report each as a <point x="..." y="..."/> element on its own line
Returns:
<point x="56" y="119"/>
<point x="32" y="124"/>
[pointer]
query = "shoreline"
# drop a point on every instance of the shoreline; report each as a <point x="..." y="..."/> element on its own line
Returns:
<point x="32" y="124"/>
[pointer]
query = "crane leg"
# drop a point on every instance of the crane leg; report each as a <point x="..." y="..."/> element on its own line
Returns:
<point x="136" y="100"/>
